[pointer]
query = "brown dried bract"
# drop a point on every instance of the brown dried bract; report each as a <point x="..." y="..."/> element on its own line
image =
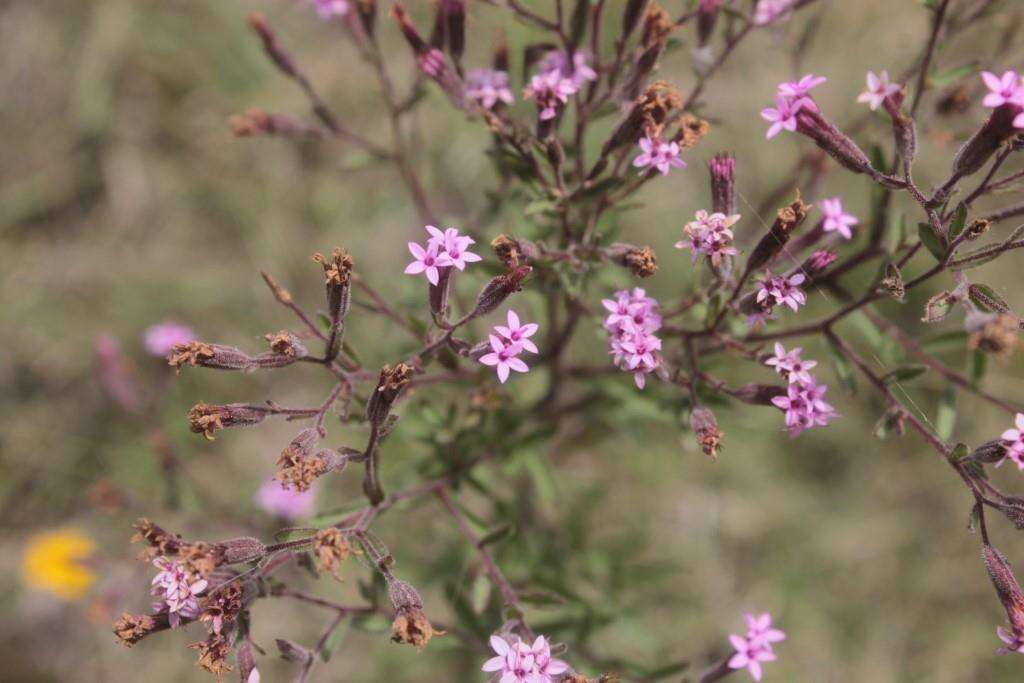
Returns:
<point x="998" y="337"/>
<point x="692" y="130"/>
<point x="411" y="627"/>
<point x="331" y="549"/>
<point x="160" y="542"/>
<point x="131" y="628"/>
<point x="222" y="607"/>
<point x="284" y="343"/>
<point x="192" y="353"/>
<point x="205" y="419"/>
<point x="657" y="26"/>
<point x="298" y="470"/>
<point x="642" y="262"/>
<point x="213" y="654"/>
<point x="337" y="268"/>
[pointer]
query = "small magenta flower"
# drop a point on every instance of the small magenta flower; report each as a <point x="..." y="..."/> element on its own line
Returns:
<point x="879" y="88"/>
<point x="287" y="504"/>
<point x="782" y="116"/>
<point x="775" y="290"/>
<point x="453" y="245"/>
<point x="551" y="91"/>
<point x="821" y="259"/>
<point x="160" y="338"/>
<point x="799" y="90"/>
<point x="504" y="357"/>
<point x="427" y="261"/>
<point x="804" y="406"/>
<point x="770" y="11"/>
<point x="177" y="591"/>
<point x="756" y="646"/>
<point x="1002" y="90"/>
<point x="432" y="62"/>
<point x="579" y="72"/>
<point x="656" y="153"/>
<point x="790" y="365"/>
<point x="517" y="662"/>
<point x="488" y="87"/>
<point x="1013" y="439"/>
<point x="518" y="334"/>
<point x="328" y="9"/>
<point x="710" y="235"/>
<point x="836" y="220"/>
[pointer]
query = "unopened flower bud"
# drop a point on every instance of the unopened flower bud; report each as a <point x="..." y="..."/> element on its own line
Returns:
<point x="631" y="14"/>
<point x="331" y="549"/>
<point x="242" y="549"/>
<point x="983" y="144"/>
<point x="500" y="288"/>
<point x="1006" y="586"/>
<point x="455" y="26"/>
<point x="704" y="425"/>
<point x="205" y="419"/>
<point x="707" y="16"/>
<point x="988" y="453"/>
<point x="759" y="394"/>
<point x="723" y="183"/>
<point x="271" y="46"/>
<point x="246" y="662"/>
<point x="389" y="386"/>
<point x="837" y="144"/>
<point x="820" y="260"/>
<point x="293" y="652"/>
<point x="215" y="356"/>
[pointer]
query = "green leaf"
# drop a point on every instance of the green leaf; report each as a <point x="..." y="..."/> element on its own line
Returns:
<point x="959" y="221"/>
<point x="539" y="206"/>
<point x="904" y="374"/>
<point x="986" y="298"/>
<point x="953" y="340"/>
<point x="979" y="364"/>
<point x="496" y="535"/>
<point x="945" y="419"/>
<point x="931" y="241"/>
<point x="332" y="642"/>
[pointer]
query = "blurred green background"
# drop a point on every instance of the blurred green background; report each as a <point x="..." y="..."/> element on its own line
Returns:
<point x="124" y="201"/>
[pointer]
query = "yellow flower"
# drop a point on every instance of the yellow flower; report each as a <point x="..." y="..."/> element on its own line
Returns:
<point x="53" y="563"/>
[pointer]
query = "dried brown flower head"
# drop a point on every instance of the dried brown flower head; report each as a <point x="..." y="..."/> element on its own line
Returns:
<point x="337" y="268"/>
<point x="705" y="426"/>
<point x="389" y="385"/>
<point x="160" y="542"/>
<point x="213" y="654"/>
<point x="192" y="353"/>
<point x="331" y="549"/>
<point x="642" y="262"/>
<point x="222" y="607"/>
<point x="692" y="130"/>
<point x="297" y="467"/>
<point x="205" y="419"/>
<point x="657" y="26"/>
<point x="998" y="337"/>
<point x="285" y="343"/>
<point x="131" y="628"/>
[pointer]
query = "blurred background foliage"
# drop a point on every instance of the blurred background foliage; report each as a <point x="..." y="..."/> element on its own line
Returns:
<point x="125" y="201"/>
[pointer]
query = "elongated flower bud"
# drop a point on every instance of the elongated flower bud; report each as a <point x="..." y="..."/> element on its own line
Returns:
<point x="1006" y="586"/>
<point x="839" y="146"/>
<point x="705" y="427"/>
<point x="786" y="222"/>
<point x="455" y="27"/>
<point x="983" y="144"/>
<point x="216" y="356"/>
<point x="723" y="183"/>
<point x="243" y="549"/>
<point x="500" y="288"/>
<point x="631" y="14"/>
<point x="277" y="54"/>
<point x="758" y="394"/>
<point x="707" y="17"/>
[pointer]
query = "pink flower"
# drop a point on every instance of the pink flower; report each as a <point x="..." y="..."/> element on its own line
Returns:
<point x="432" y="63"/>
<point x="879" y="88"/>
<point x="769" y="11"/>
<point x="1013" y="642"/>
<point x="1014" y="441"/>
<point x="804" y="406"/>
<point x="783" y="116"/>
<point x="579" y="72"/>
<point x="710" y="235"/>
<point x="790" y="365"/>
<point x="161" y="337"/>
<point x="328" y="9"/>
<point x="821" y="259"/>
<point x="287" y="504"/>
<point x="517" y="662"/>
<point x="1003" y="90"/>
<point x="504" y="357"/>
<point x="488" y="87"/>
<point x="836" y="220"/>
<point x="755" y="647"/>
<point x="177" y="591"/>
<point x="631" y="325"/>
<point x="453" y="245"/>
<point x="551" y="90"/>
<point x="427" y="261"/>
<point x="799" y="90"/>
<point x="775" y="290"/>
<point x="518" y="334"/>
<point x="658" y="154"/>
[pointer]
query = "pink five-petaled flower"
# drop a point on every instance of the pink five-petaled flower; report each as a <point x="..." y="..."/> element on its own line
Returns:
<point x="518" y="662"/>
<point x="1003" y="90"/>
<point x="783" y="115"/>
<point x="427" y="261"/>
<point x="790" y="365"/>
<point x="516" y="333"/>
<point x="804" y="406"/>
<point x="799" y="90"/>
<point x="161" y="337"/>
<point x="504" y="356"/>
<point x="580" y="71"/>
<point x="287" y="504"/>
<point x="659" y="154"/>
<point x="488" y="87"/>
<point x="550" y="90"/>
<point x="328" y="9"/>
<point x="177" y="591"/>
<point x="710" y="235"/>
<point x="836" y="220"/>
<point x="775" y="290"/>
<point x="453" y="245"/>
<point x="1014" y="442"/>
<point x="756" y="646"/>
<point x="879" y="88"/>
<point x="768" y="11"/>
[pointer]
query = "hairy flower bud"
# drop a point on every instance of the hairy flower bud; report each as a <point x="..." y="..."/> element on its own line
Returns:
<point x="455" y="26"/>
<point x="216" y="356"/>
<point x="723" y="183"/>
<point x="1006" y="586"/>
<point x="242" y="549"/>
<point x="331" y="549"/>
<point x="837" y="144"/>
<point x="245" y="660"/>
<point x="389" y="386"/>
<point x="759" y="394"/>
<point x="986" y="141"/>
<point x="988" y="453"/>
<point x="500" y="288"/>
<point x="293" y="652"/>
<point x="205" y="419"/>
<point x="705" y="426"/>
<point x="271" y="46"/>
<point x="631" y="14"/>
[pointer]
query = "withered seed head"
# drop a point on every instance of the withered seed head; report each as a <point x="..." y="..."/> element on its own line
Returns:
<point x="410" y="626"/>
<point x="641" y="261"/>
<point x="657" y="26"/>
<point x="331" y="549"/>
<point x="998" y="337"/>
<point x="192" y="353"/>
<point x="788" y="219"/>
<point x="389" y="386"/>
<point x="296" y="466"/>
<point x="160" y="542"/>
<point x="131" y="628"/>
<point x="337" y="268"/>
<point x="213" y="653"/>
<point x="205" y="419"/>
<point x="691" y="130"/>
<point x="285" y="343"/>
<point x="215" y="356"/>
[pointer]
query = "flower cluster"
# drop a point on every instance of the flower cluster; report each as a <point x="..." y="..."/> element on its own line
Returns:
<point x="177" y="589"/>
<point x="780" y="289"/>
<point x="632" y="321"/>
<point x="710" y="235"/>
<point x="445" y="249"/>
<point x="756" y="646"/>
<point x="803" y="401"/>
<point x="879" y="88"/>
<point x="506" y="343"/>
<point x="1007" y="89"/>
<point x="488" y="87"/>
<point x="550" y="90"/>
<point x="1013" y="439"/>
<point x="790" y="99"/>
<point x="579" y="72"/>
<point x="658" y="154"/>
<point x="517" y="662"/>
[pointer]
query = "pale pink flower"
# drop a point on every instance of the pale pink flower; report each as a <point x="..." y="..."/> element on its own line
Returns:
<point x="821" y="259"/>
<point x="551" y="91"/>
<point x="769" y="11"/>
<point x="453" y="245"/>
<point x="799" y="90"/>
<point x="804" y="406"/>
<point x="879" y="88"/>
<point x="782" y="116"/>
<point x="161" y="337"/>
<point x="432" y="62"/>
<point x="328" y="9"/>
<point x="427" y="261"/>
<point x="759" y="628"/>
<point x="579" y="72"/>
<point x="177" y="590"/>
<point x="1014" y="643"/>
<point x="517" y="333"/>
<point x="287" y="504"/>
<point x="755" y="648"/>
<point x="775" y="290"/>
<point x="488" y="87"/>
<point x="1013" y="439"/>
<point x="836" y="220"/>
<point x="659" y="154"/>
<point x="504" y="357"/>
<point x="790" y="365"/>
<point x="1002" y="90"/>
<point x="517" y="662"/>
<point x="710" y="234"/>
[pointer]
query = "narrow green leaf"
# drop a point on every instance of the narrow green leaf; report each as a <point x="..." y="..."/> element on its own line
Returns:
<point x="959" y="221"/>
<point x="979" y="364"/>
<point x="904" y="374"/>
<point x="931" y="241"/>
<point x="945" y="419"/>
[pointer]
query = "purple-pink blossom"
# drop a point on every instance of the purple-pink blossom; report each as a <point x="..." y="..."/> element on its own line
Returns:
<point x="1014" y="643"/>
<point x="1005" y="89"/>
<point x="821" y="259"/>
<point x="837" y="220"/>
<point x="428" y="261"/>
<point x="161" y="337"/>
<point x="518" y="333"/>
<point x="659" y="154"/>
<point x="504" y="357"/>
<point x="632" y="321"/>
<point x="579" y="72"/>
<point x="782" y="116"/>
<point x="445" y="249"/>
<point x="790" y="365"/>
<point x="804" y="406"/>
<point x="1013" y="439"/>
<point x="710" y="234"/>
<point x="488" y="87"/>
<point x="328" y="9"/>
<point x="800" y="90"/>
<point x="550" y="90"/>
<point x="777" y="290"/>
<point x="879" y="88"/>
<point x="517" y="662"/>
<point x="287" y="504"/>
<point x="177" y="590"/>
<point x="769" y="11"/>
<point x="756" y="646"/>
